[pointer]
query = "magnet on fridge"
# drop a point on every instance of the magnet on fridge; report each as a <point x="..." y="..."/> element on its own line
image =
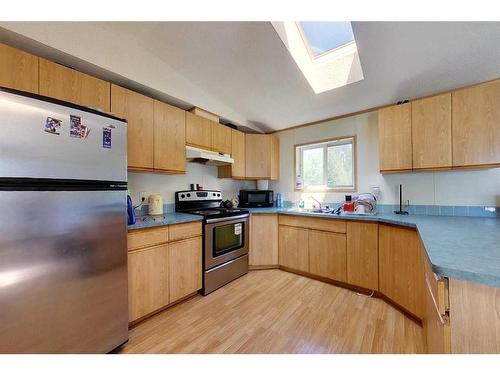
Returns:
<point x="53" y="126"/>
<point x="106" y="137"/>
<point x="75" y="126"/>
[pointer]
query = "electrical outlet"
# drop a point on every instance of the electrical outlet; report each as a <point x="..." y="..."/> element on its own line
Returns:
<point x="143" y="196"/>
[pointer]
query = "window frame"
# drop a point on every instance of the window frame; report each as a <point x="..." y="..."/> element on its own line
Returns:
<point x="324" y="144"/>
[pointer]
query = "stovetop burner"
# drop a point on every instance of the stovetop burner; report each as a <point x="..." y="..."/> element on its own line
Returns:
<point x="218" y="212"/>
<point x="206" y="203"/>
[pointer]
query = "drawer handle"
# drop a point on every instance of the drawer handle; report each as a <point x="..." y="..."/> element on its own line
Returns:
<point x="442" y="318"/>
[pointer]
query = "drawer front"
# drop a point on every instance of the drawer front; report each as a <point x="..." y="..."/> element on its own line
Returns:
<point x="183" y="231"/>
<point x="330" y="225"/>
<point x="138" y="239"/>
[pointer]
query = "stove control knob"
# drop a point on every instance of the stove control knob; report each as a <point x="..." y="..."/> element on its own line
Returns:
<point x="218" y="195"/>
<point x="182" y="195"/>
<point x="188" y="195"/>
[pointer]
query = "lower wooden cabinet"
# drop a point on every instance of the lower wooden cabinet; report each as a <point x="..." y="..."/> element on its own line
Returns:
<point x="263" y="240"/>
<point x="184" y="268"/>
<point x="164" y="273"/>
<point x="327" y="255"/>
<point x="362" y="254"/>
<point x="400" y="267"/>
<point x="148" y="280"/>
<point x="294" y="248"/>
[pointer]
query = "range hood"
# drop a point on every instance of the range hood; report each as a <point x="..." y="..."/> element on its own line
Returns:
<point x="198" y="155"/>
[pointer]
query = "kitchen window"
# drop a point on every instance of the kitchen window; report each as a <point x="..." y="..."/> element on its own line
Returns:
<point x="328" y="165"/>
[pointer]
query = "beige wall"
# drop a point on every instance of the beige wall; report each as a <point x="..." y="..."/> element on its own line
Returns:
<point x="479" y="187"/>
<point x="167" y="185"/>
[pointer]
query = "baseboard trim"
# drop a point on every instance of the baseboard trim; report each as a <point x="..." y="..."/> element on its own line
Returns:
<point x="266" y="267"/>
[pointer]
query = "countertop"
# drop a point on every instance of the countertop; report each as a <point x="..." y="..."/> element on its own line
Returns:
<point x="463" y="248"/>
<point x="150" y="221"/>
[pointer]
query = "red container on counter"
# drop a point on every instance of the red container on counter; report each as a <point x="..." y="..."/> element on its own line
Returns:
<point x="348" y="206"/>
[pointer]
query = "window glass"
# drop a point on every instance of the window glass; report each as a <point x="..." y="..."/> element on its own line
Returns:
<point x="312" y="161"/>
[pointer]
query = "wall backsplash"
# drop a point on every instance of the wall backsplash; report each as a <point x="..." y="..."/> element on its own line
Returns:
<point x="446" y="188"/>
<point x="167" y="184"/>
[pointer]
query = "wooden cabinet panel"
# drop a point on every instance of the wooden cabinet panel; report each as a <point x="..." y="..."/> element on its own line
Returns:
<point x="18" y="69"/>
<point x="330" y="225"/>
<point x="394" y="134"/>
<point x="186" y="230"/>
<point x="400" y="267"/>
<point x="237" y="169"/>
<point x="327" y="255"/>
<point x="435" y="322"/>
<point x="474" y="318"/>
<point x="140" y="238"/>
<point x="221" y="138"/>
<point x="185" y="268"/>
<point x="362" y="254"/>
<point x="63" y="83"/>
<point x="169" y="138"/>
<point x="137" y="109"/>
<point x="262" y="156"/>
<point x="294" y="248"/>
<point x="198" y="131"/>
<point x="263" y="240"/>
<point x="148" y="281"/>
<point x="431" y="132"/>
<point x="476" y="125"/>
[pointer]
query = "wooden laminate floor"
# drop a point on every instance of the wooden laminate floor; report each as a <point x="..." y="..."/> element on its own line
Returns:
<point x="272" y="311"/>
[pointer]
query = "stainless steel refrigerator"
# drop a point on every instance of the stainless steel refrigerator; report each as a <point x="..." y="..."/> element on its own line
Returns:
<point x="63" y="227"/>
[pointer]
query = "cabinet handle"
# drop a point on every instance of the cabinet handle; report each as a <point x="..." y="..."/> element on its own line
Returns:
<point x="442" y="318"/>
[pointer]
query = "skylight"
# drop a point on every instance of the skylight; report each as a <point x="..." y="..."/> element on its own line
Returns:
<point x="325" y="52"/>
<point x="323" y="37"/>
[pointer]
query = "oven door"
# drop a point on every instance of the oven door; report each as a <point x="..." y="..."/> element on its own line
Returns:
<point x="225" y="239"/>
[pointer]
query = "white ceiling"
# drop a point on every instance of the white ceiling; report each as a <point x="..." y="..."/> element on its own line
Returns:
<point x="246" y="66"/>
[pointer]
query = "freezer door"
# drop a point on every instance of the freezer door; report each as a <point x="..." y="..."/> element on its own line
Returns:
<point x="34" y="144"/>
<point x="63" y="271"/>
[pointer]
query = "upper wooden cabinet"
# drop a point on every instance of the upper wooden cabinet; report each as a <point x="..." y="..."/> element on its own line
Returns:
<point x="137" y="109"/>
<point x="362" y="254"/>
<point x="60" y="82"/>
<point x="394" y="133"/>
<point x="221" y="138"/>
<point x="18" y="69"/>
<point x="431" y="132"/>
<point x="198" y="131"/>
<point x="237" y="169"/>
<point x="262" y="156"/>
<point x="169" y="138"/>
<point x="476" y="125"/>
<point x="400" y="267"/>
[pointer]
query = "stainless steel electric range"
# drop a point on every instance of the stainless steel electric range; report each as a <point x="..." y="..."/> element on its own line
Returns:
<point x="225" y="236"/>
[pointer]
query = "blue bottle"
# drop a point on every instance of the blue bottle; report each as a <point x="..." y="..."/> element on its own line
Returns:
<point x="130" y="211"/>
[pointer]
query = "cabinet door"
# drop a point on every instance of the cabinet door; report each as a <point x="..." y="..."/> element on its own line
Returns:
<point x="327" y="255"/>
<point x="362" y="254"/>
<point x="258" y="156"/>
<point x="147" y="281"/>
<point x="263" y="240"/>
<point x="18" y="69"/>
<point x="275" y="158"/>
<point x="221" y="138"/>
<point x="394" y="135"/>
<point x="237" y="169"/>
<point x="185" y="268"/>
<point x="137" y="109"/>
<point x="431" y="132"/>
<point x="476" y="125"/>
<point x="400" y="267"/>
<point x="169" y="138"/>
<point x="294" y="248"/>
<point x="60" y="82"/>
<point x="198" y="131"/>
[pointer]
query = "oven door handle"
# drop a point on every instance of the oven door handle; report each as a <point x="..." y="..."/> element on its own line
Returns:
<point x="227" y="218"/>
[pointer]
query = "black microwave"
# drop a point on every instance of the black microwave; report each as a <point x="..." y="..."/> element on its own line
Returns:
<point x="256" y="198"/>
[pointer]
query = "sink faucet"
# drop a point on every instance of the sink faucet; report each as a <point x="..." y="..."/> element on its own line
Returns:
<point x="311" y="197"/>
